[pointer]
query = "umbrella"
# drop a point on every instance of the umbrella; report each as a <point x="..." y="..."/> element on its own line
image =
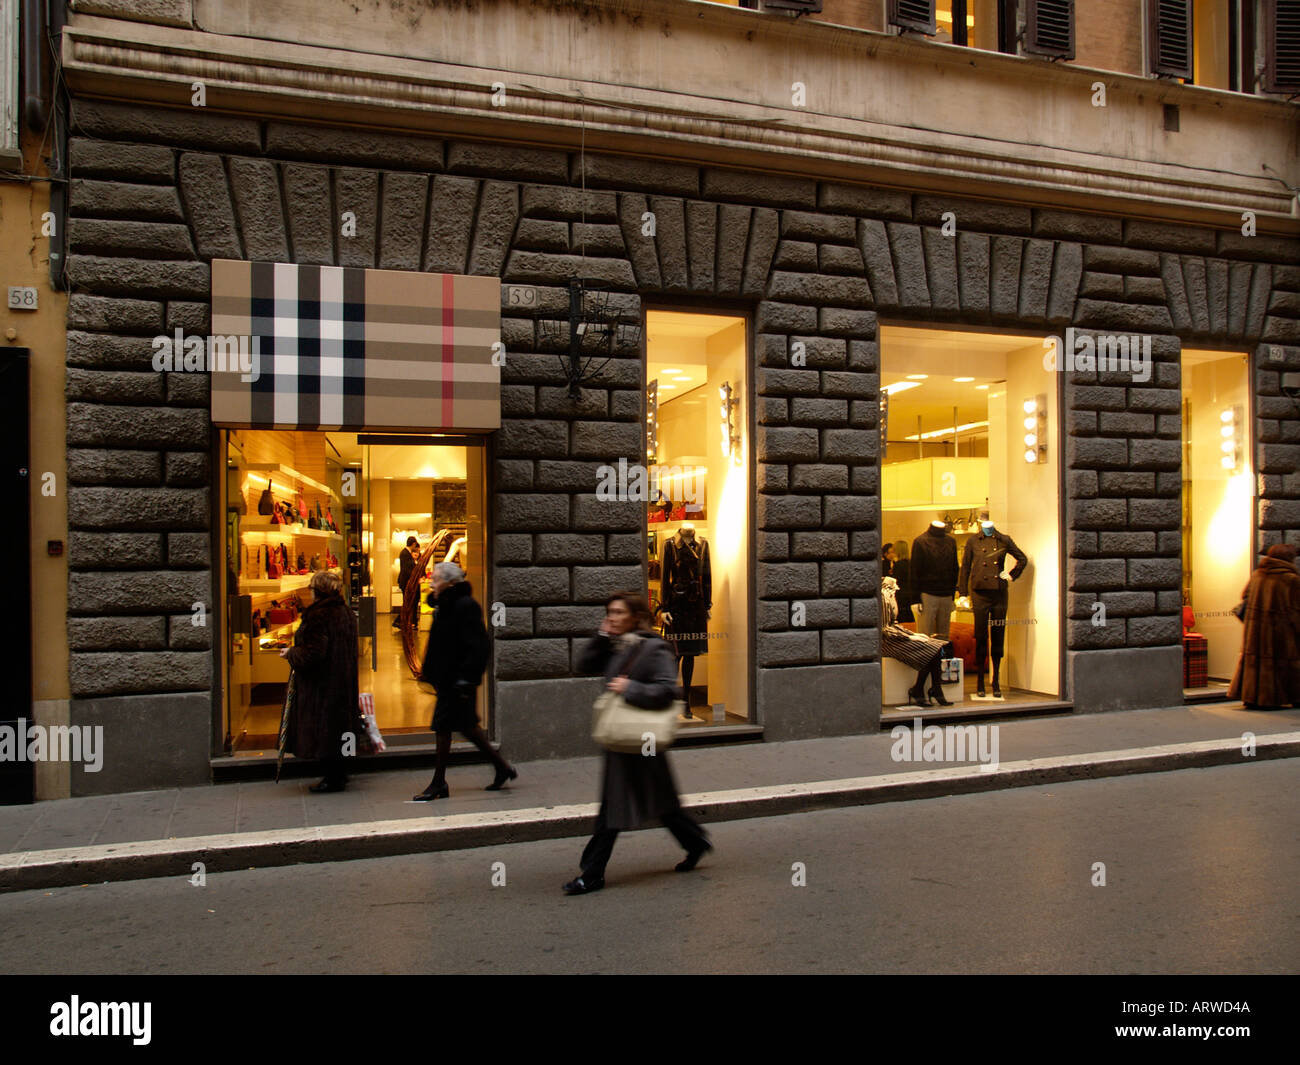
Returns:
<point x="290" y="697"/>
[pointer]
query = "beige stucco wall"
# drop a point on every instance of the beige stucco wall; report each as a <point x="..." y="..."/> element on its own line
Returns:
<point x="25" y="260"/>
<point x="704" y="82"/>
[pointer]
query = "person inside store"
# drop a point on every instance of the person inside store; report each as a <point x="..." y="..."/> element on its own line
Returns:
<point x="324" y="661"/>
<point x="635" y="788"/>
<point x="922" y="653"/>
<point x="454" y="661"/>
<point x="406" y="566"/>
<point x="1268" y="671"/>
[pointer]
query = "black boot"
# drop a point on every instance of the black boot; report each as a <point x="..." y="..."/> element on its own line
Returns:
<point x="979" y="687"/>
<point x="917" y="694"/>
<point x="936" y="685"/>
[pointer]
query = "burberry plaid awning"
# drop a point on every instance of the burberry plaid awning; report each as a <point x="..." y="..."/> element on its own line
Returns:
<point x="333" y="347"/>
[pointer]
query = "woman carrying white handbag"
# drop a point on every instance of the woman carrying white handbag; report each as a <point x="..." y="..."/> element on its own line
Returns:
<point x="641" y="670"/>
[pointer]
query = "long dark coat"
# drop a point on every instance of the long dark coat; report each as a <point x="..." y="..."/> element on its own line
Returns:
<point x="324" y="659"/>
<point x="636" y="789"/>
<point x="1268" y="673"/>
<point x="455" y="656"/>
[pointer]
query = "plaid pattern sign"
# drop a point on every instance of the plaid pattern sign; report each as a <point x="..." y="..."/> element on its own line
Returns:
<point x="336" y="347"/>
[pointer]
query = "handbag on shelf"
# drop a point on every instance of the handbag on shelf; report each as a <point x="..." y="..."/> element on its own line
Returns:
<point x="301" y="509"/>
<point x="274" y="571"/>
<point x="266" y="502"/>
<point x="617" y="725"/>
<point x="329" y="520"/>
<point x="315" y="563"/>
<point x="301" y="567"/>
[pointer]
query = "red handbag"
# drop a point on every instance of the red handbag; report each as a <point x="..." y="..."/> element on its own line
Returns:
<point x="274" y="571"/>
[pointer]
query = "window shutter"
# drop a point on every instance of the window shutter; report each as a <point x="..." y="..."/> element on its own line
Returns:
<point x="1169" y="29"/>
<point x="1049" y="28"/>
<point x="913" y="15"/>
<point x="806" y="7"/>
<point x="1282" y="45"/>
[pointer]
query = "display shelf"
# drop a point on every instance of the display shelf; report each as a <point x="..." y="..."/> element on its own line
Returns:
<point x="288" y="531"/>
<point x="292" y="583"/>
<point x="292" y="474"/>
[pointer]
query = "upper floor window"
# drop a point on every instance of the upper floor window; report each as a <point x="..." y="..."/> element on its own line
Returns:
<point x="1227" y="44"/>
<point x="1046" y="27"/>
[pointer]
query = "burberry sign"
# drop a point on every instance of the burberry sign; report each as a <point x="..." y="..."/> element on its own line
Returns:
<point x="344" y="348"/>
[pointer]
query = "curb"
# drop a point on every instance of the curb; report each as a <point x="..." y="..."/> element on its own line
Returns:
<point x="29" y="870"/>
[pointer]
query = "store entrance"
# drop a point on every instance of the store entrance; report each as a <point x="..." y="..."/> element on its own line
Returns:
<point x="373" y="508"/>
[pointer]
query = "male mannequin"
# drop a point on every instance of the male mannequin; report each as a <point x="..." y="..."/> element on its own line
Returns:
<point x="934" y="579"/>
<point x="686" y="597"/>
<point x="981" y="579"/>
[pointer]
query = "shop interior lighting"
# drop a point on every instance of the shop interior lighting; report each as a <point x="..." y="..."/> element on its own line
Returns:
<point x="899" y="386"/>
<point x="652" y="422"/>
<point x="1230" y="444"/>
<point x="948" y="431"/>
<point x="963" y="380"/>
<point x="1035" y="425"/>
<point x="981" y="388"/>
<point x="918" y="377"/>
<point x="727" y="411"/>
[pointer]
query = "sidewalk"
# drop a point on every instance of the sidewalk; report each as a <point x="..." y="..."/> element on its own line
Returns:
<point x="238" y="825"/>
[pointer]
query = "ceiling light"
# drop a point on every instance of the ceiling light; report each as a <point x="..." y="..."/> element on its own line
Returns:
<point x="982" y="388"/>
<point x="672" y="371"/>
<point x="963" y="380"/>
<point x="918" y="376"/>
<point x="899" y="386"/>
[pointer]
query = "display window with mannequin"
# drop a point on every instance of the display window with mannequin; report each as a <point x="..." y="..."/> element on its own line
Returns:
<point x="697" y="513"/>
<point x="971" y="484"/>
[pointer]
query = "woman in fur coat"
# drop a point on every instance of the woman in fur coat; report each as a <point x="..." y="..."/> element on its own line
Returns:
<point x="1268" y="673"/>
<point x="324" y="661"/>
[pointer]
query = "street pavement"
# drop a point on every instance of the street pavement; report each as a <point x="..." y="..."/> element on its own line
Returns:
<point x="235" y="826"/>
<point x="1198" y="867"/>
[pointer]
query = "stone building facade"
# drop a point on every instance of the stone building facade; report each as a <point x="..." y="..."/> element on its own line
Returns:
<point x="157" y="194"/>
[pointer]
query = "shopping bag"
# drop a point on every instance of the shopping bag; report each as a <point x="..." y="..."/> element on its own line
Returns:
<point x="373" y="738"/>
<point x="290" y="695"/>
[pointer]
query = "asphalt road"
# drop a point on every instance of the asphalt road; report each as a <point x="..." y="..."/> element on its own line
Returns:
<point x="1200" y="870"/>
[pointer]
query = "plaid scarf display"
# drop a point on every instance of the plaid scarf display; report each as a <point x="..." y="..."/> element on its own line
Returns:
<point x="349" y="348"/>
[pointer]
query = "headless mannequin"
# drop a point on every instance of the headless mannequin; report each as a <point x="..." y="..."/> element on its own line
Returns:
<point x="687" y="532"/>
<point x="981" y="577"/>
<point x="688" y="661"/>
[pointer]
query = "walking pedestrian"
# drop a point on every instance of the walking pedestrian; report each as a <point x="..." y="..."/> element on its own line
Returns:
<point x="635" y="788"/>
<point x="454" y="661"/>
<point x="324" y="661"/>
<point x="1268" y="672"/>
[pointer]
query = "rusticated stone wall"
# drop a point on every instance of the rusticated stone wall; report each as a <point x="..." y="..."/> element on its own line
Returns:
<point x="156" y="195"/>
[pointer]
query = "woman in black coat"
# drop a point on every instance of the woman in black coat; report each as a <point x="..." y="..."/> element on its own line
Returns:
<point x="324" y="661"/>
<point x="640" y="667"/>
<point x="454" y="660"/>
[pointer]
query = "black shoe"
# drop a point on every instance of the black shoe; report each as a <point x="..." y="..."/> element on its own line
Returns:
<point x="584" y="885"/>
<point x="692" y="857"/>
<point x="499" y="782"/>
<point x="997" y="692"/>
<point x="937" y="695"/>
<point x="917" y="695"/>
<point x="327" y="786"/>
<point x="980" y="693"/>
<point x="430" y="793"/>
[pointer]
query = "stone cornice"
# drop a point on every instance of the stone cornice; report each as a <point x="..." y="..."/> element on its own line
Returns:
<point x="249" y="75"/>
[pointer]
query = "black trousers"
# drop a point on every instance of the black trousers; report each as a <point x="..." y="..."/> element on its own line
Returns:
<point x="990" y="609"/>
<point x="595" y="856"/>
<point x="335" y="769"/>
